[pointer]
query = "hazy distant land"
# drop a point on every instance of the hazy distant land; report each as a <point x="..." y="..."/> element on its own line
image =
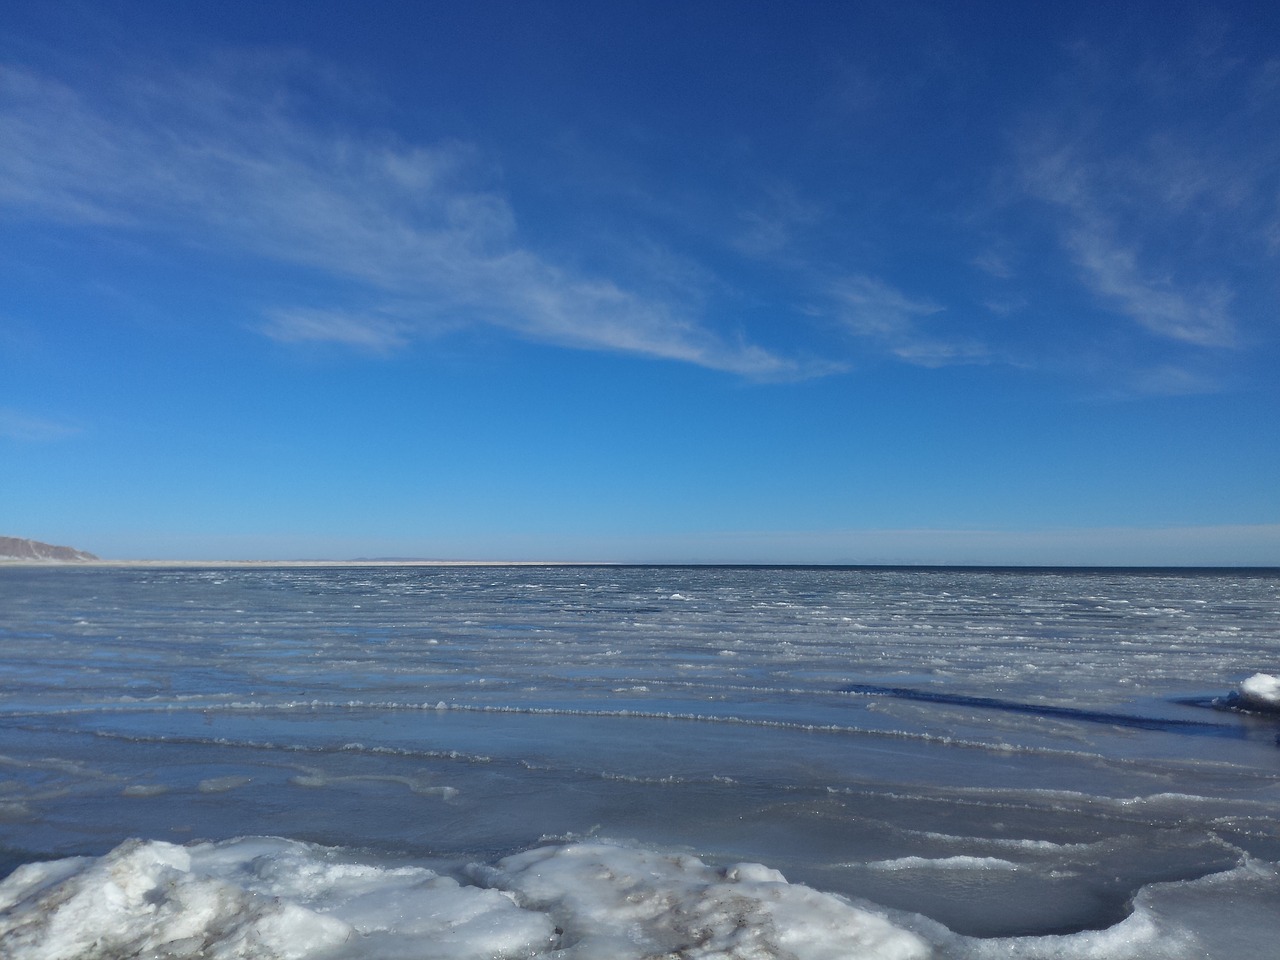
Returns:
<point x="19" y="549"/>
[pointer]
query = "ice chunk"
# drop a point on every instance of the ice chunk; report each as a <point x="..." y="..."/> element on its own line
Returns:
<point x="943" y="863"/>
<point x="264" y="898"/>
<point x="222" y="784"/>
<point x="145" y="898"/>
<point x="622" y="903"/>
<point x="1261" y="692"/>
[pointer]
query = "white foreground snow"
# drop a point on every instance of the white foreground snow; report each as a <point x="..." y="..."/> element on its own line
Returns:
<point x="271" y="899"/>
<point x="264" y="898"/>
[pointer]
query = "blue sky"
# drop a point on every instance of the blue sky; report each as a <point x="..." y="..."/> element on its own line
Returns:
<point x="689" y="281"/>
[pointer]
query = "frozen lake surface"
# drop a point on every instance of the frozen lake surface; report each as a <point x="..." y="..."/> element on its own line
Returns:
<point x="617" y="762"/>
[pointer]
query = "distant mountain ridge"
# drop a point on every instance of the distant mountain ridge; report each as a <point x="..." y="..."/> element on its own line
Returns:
<point x="16" y="548"/>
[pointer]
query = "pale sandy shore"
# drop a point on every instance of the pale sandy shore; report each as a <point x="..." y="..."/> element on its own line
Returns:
<point x="14" y="562"/>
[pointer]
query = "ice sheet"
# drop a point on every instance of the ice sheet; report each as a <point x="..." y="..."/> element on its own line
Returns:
<point x="267" y="898"/>
<point x="1014" y="761"/>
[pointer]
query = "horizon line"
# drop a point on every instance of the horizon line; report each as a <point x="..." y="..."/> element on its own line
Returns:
<point x="733" y="564"/>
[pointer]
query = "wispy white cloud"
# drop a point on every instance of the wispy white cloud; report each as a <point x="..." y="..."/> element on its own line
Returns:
<point x="224" y="167"/>
<point x="873" y="309"/>
<point x="994" y="264"/>
<point x="1004" y="306"/>
<point x="1161" y="203"/>
<point x="769" y="228"/>
<point x="378" y="335"/>
<point x="876" y="309"/>
<point x="1198" y="315"/>
<point x="1112" y="269"/>
<point x="28" y="428"/>
<point x="1169" y="380"/>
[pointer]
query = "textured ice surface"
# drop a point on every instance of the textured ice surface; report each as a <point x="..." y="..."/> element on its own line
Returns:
<point x="1000" y="763"/>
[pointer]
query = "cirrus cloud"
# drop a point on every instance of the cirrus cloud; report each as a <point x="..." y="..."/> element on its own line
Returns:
<point x="419" y="227"/>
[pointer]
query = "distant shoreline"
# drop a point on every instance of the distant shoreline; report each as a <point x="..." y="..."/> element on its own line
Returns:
<point x="7" y="562"/>
<point x="15" y="562"/>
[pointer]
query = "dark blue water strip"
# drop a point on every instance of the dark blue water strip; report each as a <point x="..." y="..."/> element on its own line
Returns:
<point x="1198" y="728"/>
